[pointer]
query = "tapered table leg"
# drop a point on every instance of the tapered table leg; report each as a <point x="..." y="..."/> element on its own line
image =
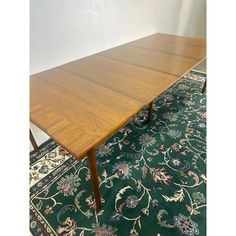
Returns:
<point x="94" y="178"/>
<point x="149" y="112"/>
<point x="204" y="87"/>
<point x="33" y="142"/>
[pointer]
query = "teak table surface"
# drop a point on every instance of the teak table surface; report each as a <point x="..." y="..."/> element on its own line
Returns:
<point x="82" y="103"/>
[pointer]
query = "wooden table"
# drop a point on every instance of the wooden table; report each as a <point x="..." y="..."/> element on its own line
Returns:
<point x="83" y="103"/>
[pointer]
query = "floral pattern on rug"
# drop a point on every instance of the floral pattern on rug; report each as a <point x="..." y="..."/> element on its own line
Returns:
<point x="152" y="176"/>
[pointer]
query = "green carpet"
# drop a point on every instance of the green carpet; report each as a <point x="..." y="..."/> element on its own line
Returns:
<point x="152" y="176"/>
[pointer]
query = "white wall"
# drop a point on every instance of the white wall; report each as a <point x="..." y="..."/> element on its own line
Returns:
<point x="66" y="30"/>
<point x="192" y="19"/>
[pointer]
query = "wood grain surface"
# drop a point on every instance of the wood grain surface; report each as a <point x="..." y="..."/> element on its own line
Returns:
<point x="84" y="102"/>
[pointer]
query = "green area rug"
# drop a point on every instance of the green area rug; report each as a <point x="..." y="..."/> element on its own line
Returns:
<point x="152" y="176"/>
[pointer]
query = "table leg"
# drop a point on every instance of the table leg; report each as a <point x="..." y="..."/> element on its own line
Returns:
<point x="204" y="87"/>
<point x="94" y="178"/>
<point x="149" y="112"/>
<point x="33" y="142"/>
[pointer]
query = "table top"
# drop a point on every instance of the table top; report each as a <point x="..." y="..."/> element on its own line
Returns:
<point x="82" y="103"/>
